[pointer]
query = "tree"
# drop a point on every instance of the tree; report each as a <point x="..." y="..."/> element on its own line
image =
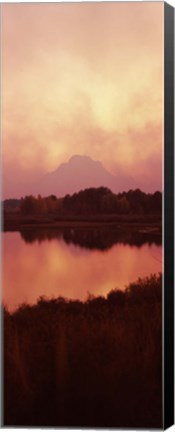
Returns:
<point x="123" y="205"/>
<point x="29" y="205"/>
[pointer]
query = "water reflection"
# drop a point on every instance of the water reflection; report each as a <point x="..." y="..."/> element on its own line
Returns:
<point x="53" y="267"/>
<point x="90" y="238"/>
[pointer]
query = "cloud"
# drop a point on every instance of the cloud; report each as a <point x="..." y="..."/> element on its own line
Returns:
<point x="81" y="78"/>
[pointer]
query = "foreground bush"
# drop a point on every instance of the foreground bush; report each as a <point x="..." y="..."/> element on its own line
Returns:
<point x="97" y="363"/>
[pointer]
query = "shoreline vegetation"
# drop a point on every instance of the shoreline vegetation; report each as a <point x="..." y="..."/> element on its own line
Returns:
<point x="16" y="221"/>
<point x="72" y="363"/>
<point x="89" y="207"/>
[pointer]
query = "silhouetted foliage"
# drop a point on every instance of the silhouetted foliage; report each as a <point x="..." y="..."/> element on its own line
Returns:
<point x="11" y="205"/>
<point x="31" y="205"/>
<point x="91" y="201"/>
<point x="103" y="200"/>
<point x="96" y="363"/>
<point x="116" y="297"/>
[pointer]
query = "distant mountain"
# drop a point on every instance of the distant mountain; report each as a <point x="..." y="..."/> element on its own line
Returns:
<point x="78" y="173"/>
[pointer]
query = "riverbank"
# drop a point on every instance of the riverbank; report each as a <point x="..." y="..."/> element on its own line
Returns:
<point x="86" y="364"/>
<point x="142" y="223"/>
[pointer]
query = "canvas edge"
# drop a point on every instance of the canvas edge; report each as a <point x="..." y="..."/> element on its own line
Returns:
<point x="168" y="294"/>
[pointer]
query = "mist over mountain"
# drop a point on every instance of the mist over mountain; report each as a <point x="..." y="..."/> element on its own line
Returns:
<point x="81" y="172"/>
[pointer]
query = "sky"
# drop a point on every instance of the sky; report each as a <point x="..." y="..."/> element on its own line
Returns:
<point x="82" y="78"/>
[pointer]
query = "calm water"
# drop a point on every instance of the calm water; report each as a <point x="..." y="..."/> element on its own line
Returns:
<point x="74" y="264"/>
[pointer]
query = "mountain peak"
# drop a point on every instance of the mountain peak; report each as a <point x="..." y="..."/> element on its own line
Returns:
<point x="80" y="158"/>
<point x="80" y="172"/>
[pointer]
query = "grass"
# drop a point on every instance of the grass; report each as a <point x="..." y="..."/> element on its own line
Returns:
<point x="16" y="221"/>
<point x="92" y="364"/>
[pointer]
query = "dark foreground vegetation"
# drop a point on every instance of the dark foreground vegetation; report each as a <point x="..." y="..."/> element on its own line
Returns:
<point x="94" y="364"/>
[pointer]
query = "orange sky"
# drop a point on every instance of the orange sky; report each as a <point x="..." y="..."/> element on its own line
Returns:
<point x="83" y="78"/>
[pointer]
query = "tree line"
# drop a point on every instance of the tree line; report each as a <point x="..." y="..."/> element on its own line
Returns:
<point x="102" y="200"/>
<point x="93" y="201"/>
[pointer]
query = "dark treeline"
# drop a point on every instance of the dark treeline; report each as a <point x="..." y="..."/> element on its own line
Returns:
<point x="100" y="238"/>
<point x="96" y="363"/>
<point x="11" y="204"/>
<point x="102" y="200"/>
<point x="91" y="201"/>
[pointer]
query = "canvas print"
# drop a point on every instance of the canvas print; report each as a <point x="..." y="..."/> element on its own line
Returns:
<point x="82" y="134"/>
